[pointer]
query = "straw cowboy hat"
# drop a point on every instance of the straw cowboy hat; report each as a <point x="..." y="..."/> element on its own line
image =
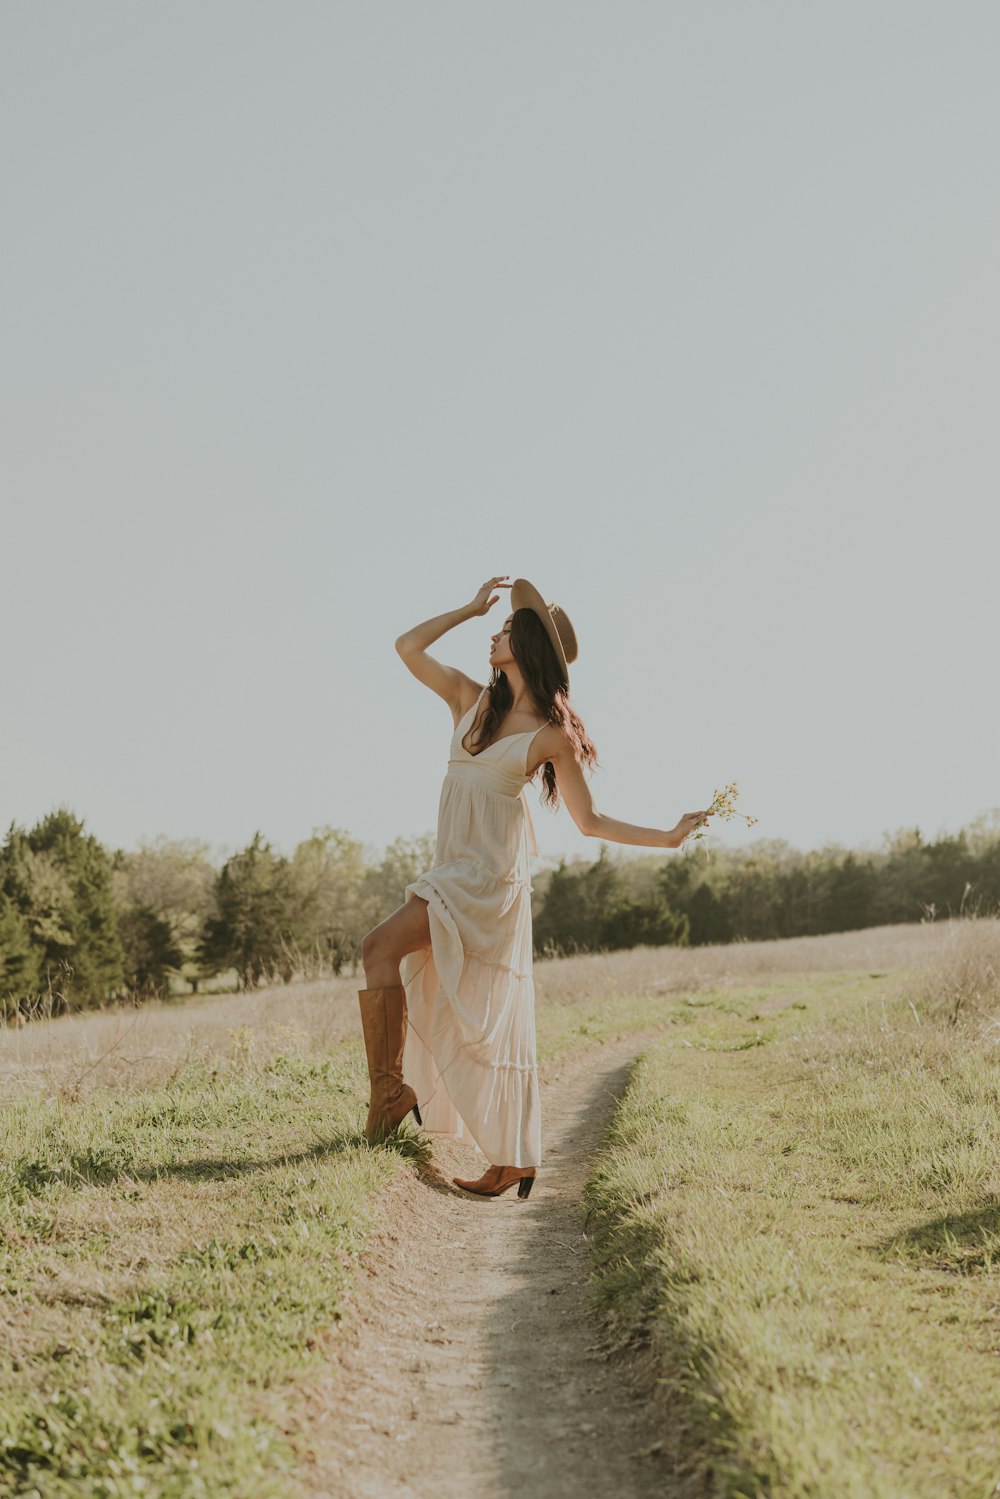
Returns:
<point x="524" y="595"/>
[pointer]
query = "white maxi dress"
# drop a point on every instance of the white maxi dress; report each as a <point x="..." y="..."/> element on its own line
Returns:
<point x="470" y="1042"/>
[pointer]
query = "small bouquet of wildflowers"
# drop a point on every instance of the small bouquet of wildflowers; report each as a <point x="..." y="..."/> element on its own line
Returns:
<point x="724" y="806"/>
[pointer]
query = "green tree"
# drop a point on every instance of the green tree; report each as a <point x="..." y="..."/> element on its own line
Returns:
<point x="851" y="896"/>
<point x="644" y="923"/>
<point x="589" y="908"/>
<point x="58" y="877"/>
<point x="165" y="895"/>
<point x="253" y="925"/>
<point x="560" y="926"/>
<point x="327" y="878"/>
<point x="899" y="893"/>
<point x="20" y="966"/>
<point x="400" y="864"/>
<point x="708" y="917"/>
<point x="151" y="951"/>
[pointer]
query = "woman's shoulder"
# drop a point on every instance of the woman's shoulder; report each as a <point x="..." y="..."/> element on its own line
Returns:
<point x="552" y="740"/>
<point x="549" y="744"/>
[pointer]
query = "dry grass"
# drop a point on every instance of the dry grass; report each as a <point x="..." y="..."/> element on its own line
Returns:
<point x="665" y="970"/>
<point x="123" y="1048"/>
<point x="962" y="978"/>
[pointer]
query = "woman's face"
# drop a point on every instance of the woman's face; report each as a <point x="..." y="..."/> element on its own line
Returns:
<point x="501" y="654"/>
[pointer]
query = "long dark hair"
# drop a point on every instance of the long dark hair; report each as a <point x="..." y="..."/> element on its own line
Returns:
<point x="549" y="692"/>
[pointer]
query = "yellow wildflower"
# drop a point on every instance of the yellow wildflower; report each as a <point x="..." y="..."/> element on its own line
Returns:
<point x="724" y="806"/>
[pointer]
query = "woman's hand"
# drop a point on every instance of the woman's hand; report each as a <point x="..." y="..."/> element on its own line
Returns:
<point x="688" y="823"/>
<point x="482" y="602"/>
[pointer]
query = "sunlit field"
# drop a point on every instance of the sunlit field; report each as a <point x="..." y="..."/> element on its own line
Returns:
<point x="800" y="1187"/>
<point x="797" y="1211"/>
<point x="121" y="1047"/>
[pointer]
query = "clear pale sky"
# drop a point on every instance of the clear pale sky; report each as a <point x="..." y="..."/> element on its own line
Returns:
<point x="315" y="315"/>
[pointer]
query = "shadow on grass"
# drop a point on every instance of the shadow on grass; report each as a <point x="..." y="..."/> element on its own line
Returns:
<point x="410" y="1146"/>
<point x="101" y="1167"/>
<point x="963" y="1243"/>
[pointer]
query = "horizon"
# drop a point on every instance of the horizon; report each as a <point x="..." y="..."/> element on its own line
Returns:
<point x="987" y="822"/>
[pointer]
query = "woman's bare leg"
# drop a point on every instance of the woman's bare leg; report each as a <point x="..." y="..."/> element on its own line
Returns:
<point x="406" y="930"/>
<point x="383" y="1016"/>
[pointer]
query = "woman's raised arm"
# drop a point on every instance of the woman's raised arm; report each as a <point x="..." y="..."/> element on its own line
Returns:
<point x="458" y="690"/>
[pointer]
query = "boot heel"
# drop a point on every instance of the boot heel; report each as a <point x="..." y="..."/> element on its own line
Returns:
<point x="416" y="1114"/>
<point x="524" y="1186"/>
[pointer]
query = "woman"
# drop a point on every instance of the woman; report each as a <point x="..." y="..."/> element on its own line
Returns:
<point x="450" y="999"/>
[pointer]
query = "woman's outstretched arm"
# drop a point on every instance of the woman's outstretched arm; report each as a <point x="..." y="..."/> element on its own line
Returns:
<point x="575" y="792"/>
<point x="447" y="681"/>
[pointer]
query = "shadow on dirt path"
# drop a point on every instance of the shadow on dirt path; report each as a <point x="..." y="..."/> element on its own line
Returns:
<point x="473" y="1364"/>
<point x="569" y="1420"/>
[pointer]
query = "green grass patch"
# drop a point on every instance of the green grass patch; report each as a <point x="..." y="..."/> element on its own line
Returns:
<point x="170" y="1263"/>
<point x="568" y="1027"/>
<point x="808" y="1234"/>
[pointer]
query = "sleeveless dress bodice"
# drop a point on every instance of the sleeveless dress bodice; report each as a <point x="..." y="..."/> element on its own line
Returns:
<point x="470" y="1044"/>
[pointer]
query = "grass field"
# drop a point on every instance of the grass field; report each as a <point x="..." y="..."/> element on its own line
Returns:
<point x="122" y="1048"/>
<point x="185" y="1196"/>
<point x="169" y="1257"/>
<point x="798" y="1210"/>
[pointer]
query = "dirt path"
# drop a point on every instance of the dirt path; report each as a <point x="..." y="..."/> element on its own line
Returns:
<point x="473" y="1364"/>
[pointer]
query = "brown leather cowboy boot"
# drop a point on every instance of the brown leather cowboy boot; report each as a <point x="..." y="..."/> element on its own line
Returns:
<point x="497" y="1179"/>
<point x="383" y="1020"/>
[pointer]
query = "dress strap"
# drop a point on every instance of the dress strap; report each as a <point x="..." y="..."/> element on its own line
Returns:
<point x="466" y="714"/>
<point x="471" y="714"/>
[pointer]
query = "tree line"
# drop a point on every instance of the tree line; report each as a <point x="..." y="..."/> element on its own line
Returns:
<point x="768" y="890"/>
<point x="81" y="924"/>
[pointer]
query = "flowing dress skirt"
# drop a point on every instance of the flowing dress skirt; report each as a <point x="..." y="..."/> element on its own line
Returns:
<point x="470" y="1046"/>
